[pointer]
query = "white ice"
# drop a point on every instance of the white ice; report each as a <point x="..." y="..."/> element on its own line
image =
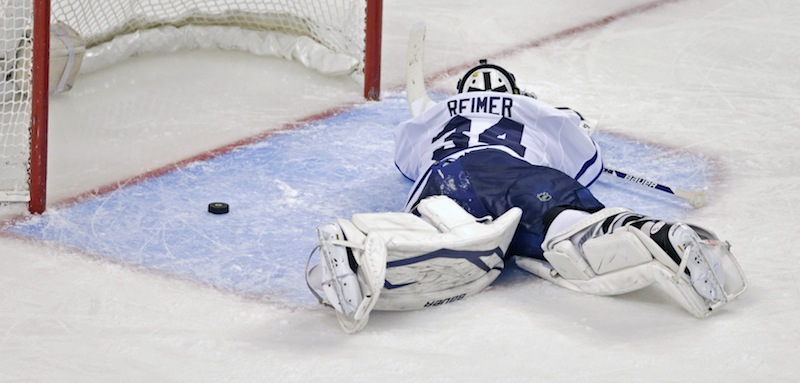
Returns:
<point x="718" y="78"/>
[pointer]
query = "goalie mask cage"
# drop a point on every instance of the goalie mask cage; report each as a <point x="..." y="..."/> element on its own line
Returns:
<point x="342" y="36"/>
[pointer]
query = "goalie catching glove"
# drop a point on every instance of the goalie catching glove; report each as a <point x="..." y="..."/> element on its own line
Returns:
<point x="401" y="261"/>
<point x="615" y="251"/>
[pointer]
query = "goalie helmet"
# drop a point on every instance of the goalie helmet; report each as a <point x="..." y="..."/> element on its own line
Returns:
<point x="487" y="78"/>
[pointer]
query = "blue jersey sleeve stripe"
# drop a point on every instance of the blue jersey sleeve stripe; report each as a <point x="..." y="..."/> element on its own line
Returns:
<point x="588" y="164"/>
<point x="414" y="195"/>
<point x="596" y="176"/>
<point x="401" y="172"/>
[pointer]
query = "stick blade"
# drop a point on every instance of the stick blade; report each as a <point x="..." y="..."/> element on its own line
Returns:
<point x="417" y="95"/>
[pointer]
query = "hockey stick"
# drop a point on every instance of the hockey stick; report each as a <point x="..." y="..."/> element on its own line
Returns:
<point x="695" y="197"/>
<point x="416" y="94"/>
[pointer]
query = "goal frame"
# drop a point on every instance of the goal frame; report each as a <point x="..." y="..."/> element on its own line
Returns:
<point x="40" y="72"/>
<point x="40" y="68"/>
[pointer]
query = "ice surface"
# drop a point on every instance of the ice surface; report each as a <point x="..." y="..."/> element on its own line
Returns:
<point x="279" y="190"/>
<point x="139" y="283"/>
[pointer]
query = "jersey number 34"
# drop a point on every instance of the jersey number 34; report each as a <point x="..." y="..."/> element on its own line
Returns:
<point x="505" y="132"/>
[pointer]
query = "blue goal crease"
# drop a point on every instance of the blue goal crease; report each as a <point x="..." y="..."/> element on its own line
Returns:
<point x="280" y="189"/>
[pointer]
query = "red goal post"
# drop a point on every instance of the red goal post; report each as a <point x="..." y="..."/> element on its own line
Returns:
<point x="344" y="37"/>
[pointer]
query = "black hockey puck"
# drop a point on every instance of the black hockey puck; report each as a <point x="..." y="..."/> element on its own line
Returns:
<point x="218" y="208"/>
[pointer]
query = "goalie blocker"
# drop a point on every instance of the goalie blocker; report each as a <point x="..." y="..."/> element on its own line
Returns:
<point x="400" y="261"/>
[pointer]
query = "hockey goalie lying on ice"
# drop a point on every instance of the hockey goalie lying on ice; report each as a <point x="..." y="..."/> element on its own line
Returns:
<point x="500" y="175"/>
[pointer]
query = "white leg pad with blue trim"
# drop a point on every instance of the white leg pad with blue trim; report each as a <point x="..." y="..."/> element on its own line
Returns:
<point x="628" y="259"/>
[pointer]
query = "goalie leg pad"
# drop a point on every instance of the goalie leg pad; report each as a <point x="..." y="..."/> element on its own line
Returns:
<point x="714" y="279"/>
<point x="444" y="256"/>
<point x="599" y="255"/>
<point x="577" y="253"/>
<point x="339" y="280"/>
<point x="678" y="247"/>
<point x="404" y="300"/>
<point x="629" y="259"/>
<point x="351" y="273"/>
<point x="615" y="283"/>
<point x="406" y="261"/>
<point x="606" y="265"/>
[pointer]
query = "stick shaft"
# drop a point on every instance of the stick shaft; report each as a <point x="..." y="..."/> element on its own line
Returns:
<point x="639" y="180"/>
<point x="696" y="198"/>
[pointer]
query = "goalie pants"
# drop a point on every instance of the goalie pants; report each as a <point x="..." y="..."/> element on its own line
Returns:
<point x="490" y="182"/>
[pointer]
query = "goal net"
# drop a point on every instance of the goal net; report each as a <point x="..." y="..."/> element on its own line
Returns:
<point x="334" y="37"/>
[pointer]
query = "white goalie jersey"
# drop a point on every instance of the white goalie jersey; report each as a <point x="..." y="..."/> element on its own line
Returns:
<point x="519" y="125"/>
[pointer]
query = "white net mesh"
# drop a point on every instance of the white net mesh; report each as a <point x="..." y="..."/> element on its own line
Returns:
<point x="15" y="110"/>
<point x="334" y="25"/>
<point x="327" y="35"/>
